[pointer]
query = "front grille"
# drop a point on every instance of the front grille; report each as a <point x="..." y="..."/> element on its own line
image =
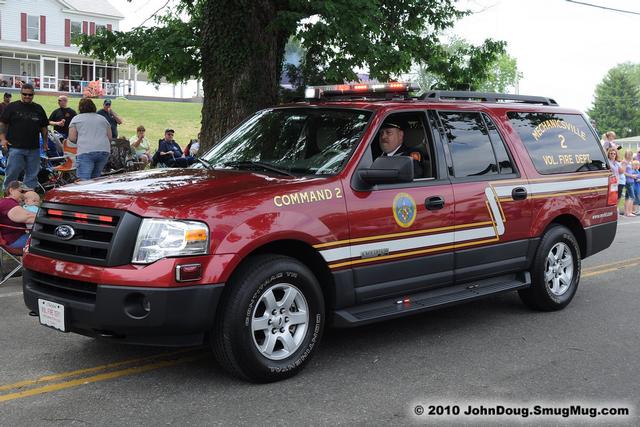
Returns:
<point x="62" y="287"/>
<point x="103" y="237"/>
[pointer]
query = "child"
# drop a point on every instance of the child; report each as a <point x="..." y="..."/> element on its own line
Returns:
<point x="636" y="170"/>
<point x="31" y="201"/>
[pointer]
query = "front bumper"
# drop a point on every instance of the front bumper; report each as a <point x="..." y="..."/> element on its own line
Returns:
<point x="136" y="315"/>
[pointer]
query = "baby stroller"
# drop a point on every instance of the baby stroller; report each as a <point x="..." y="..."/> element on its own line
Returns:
<point x="121" y="159"/>
<point x="60" y="170"/>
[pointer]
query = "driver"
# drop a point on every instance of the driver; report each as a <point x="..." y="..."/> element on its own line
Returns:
<point x="391" y="143"/>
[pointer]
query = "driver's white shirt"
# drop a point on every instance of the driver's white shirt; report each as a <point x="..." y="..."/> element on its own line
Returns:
<point x="391" y="154"/>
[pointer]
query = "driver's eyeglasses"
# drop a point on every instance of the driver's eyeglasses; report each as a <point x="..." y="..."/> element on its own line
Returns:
<point x="26" y="94"/>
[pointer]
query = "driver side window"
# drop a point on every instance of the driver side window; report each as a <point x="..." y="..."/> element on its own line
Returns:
<point x="413" y="142"/>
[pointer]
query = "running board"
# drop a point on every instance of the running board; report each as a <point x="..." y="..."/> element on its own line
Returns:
<point x="430" y="300"/>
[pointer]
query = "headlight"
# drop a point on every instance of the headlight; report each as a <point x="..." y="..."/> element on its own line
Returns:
<point x="161" y="238"/>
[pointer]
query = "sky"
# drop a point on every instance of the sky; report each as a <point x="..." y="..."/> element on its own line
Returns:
<point x="563" y="49"/>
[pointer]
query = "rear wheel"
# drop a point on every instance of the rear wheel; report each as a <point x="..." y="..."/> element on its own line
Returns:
<point x="270" y="321"/>
<point x="556" y="271"/>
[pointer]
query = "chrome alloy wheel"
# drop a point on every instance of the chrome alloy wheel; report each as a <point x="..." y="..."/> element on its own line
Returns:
<point x="558" y="272"/>
<point x="279" y="321"/>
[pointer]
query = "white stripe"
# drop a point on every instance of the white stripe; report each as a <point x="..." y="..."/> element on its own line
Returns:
<point x="475" y="233"/>
<point x="542" y="187"/>
<point x="330" y="255"/>
<point x="407" y="244"/>
<point x="497" y="215"/>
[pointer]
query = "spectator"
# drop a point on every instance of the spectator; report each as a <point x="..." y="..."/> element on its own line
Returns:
<point x="14" y="216"/>
<point x="609" y="141"/>
<point x="61" y="117"/>
<point x="636" y="187"/>
<point x="193" y="147"/>
<point x="5" y="102"/>
<point x="92" y="133"/>
<point x="22" y="124"/>
<point x="111" y="116"/>
<point x="31" y="201"/>
<point x="140" y="146"/>
<point x="170" y="153"/>
<point x="630" y="179"/>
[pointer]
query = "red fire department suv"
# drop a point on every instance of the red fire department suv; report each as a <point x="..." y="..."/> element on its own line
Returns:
<point x="308" y="215"/>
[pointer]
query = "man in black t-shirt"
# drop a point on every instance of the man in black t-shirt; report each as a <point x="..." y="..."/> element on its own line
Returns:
<point x="61" y="117"/>
<point x="111" y="116"/>
<point x="21" y="125"/>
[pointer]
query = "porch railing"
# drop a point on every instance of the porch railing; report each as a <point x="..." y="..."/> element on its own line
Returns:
<point x="60" y="85"/>
<point x="16" y="81"/>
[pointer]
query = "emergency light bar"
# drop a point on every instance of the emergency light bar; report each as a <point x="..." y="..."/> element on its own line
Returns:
<point x="316" y="92"/>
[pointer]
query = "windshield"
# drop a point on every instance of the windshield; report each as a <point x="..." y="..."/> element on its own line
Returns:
<point x="292" y="141"/>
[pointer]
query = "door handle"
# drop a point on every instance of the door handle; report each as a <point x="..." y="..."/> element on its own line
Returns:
<point x="434" y="203"/>
<point x="519" y="193"/>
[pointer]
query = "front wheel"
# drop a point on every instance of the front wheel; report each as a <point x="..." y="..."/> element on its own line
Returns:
<point x="270" y="322"/>
<point x="555" y="272"/>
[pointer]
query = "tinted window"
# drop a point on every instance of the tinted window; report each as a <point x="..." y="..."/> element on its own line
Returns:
<point x="504" y="161"/>
<point x="558" y="143"/>
<point x="469" y="143"/>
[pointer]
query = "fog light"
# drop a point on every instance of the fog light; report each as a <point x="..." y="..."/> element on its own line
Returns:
<point x="188" y="272"/>
<point x="137" y="305"/>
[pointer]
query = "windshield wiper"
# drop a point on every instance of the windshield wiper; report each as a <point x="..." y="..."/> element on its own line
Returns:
<point x="261" y="165"/>
<point x="205" y="163"/>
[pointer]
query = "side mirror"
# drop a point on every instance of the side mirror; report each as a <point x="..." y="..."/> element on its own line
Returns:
<point x="388" y="170"/>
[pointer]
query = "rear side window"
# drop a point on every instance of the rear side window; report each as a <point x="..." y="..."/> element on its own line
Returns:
<point x="558" y="143"/>
<point x="470" y="144"/>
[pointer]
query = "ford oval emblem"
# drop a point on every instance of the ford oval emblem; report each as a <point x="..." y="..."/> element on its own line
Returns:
<point x="64" y="232"/>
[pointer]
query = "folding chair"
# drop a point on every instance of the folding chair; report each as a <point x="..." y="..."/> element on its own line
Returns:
<point x="13" y="253"/>
<point x="68" y="168"/>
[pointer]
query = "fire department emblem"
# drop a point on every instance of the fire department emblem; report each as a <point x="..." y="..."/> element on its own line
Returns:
<point x="404" y="210"/>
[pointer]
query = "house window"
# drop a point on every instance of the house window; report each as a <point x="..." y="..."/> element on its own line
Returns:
<point x="76" y="30"/>
<point x="33" y="28"/>
<point x="100" y="28"/>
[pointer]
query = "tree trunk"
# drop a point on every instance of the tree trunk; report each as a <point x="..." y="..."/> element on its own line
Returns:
<point x="242" y="57"/>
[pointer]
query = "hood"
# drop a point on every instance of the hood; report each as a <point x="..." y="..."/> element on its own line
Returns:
<point x="162" y="189"/>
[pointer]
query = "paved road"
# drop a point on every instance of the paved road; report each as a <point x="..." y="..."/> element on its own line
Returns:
<point x="491" y="351"/>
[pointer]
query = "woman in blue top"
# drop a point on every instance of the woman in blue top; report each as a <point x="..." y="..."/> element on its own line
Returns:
<point x="630" y="179"/>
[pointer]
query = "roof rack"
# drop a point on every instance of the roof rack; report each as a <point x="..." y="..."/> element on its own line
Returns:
<point x="446" y="95"/>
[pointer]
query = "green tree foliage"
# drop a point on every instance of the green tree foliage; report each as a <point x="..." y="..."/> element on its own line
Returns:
<point x="616" y="105"/>
<point x="237" y="47"/>
<point x="462" y="66"/>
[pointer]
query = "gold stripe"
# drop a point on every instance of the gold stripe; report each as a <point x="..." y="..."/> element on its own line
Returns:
<point x="405" y="234"/>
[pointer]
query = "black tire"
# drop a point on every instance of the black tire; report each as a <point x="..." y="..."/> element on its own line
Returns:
<point x="550" y="295"/>
<point x="236" y="345"/>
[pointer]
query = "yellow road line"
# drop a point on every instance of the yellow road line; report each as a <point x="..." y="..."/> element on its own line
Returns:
<point x="622" y="263"/>
<point x="609" y="270"/>
<point x="100" y="377"/>
<point x="49" y="378"/>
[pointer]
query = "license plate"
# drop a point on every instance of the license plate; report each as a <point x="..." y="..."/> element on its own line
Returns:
<point x="51" y="314"/>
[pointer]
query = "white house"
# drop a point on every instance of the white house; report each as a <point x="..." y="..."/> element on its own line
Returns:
<point x="36" y="45"/>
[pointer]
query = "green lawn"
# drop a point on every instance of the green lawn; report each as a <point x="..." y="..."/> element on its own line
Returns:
<point x="156" y="116"/>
